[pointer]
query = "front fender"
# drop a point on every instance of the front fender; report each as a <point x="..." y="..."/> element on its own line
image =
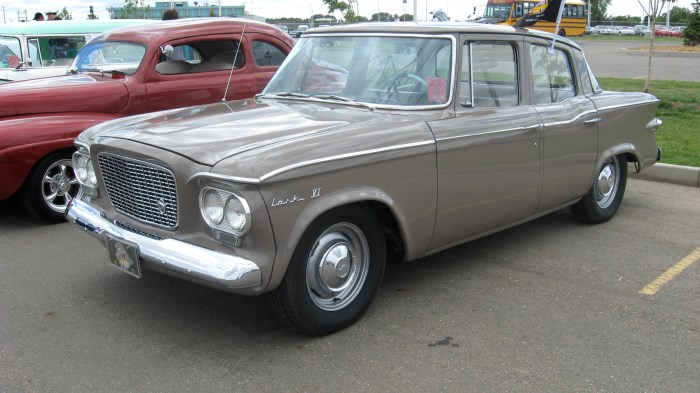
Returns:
<point x="26" y="140"/>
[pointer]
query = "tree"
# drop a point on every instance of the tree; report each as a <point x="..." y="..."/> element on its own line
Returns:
<point x="134" y="9"/>
<point x="345" y="9"/>
<point x="92" y="15"/>
<point x="599" y="9"/>
<point x="65" y="15"/>
<point x="691" y="34"/>
<point x="383" y="17"/>
<point x="654" y="11"/>
<point x="680" y="15"/>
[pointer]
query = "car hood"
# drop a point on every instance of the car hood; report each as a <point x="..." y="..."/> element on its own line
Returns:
<point x="61" y="94"/>
<point x="210" y="133"/>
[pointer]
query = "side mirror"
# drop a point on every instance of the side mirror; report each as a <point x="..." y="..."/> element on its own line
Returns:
<point x="167" y="50"/>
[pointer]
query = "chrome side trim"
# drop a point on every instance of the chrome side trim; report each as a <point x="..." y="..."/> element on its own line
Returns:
<point x="575" y="119"/>
<point x="525" y="128"/>
<point x="171" y="255"/>
<point x="626" y="105"/>
<point x="342" y="156"/>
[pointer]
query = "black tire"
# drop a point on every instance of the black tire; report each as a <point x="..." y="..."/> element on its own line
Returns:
<point x="334" y="273"/>
<point x="50" y="186"/>
<point x="562" y="33"/>
<point x="605" y="196"/>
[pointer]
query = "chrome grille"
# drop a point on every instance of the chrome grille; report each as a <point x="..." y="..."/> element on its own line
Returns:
<point x="140" y="190"/>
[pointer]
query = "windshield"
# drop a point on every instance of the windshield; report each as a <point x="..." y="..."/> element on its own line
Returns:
<point x="10" y="52"/>
<point x="110" y="56"/>
<point x="497" y="11"/>
<point x="385" y="70"/>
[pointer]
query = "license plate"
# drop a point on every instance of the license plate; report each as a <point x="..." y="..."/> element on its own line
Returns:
<point x="124" y="256"/>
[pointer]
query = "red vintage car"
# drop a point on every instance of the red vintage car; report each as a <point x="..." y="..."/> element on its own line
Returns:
<point x="124" y="72"/>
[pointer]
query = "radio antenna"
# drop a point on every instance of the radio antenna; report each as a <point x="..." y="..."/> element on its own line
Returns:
<point x="235" y="56"/>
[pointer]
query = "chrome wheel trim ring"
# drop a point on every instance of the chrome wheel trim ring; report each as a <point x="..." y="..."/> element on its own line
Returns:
<point x="337" y="267"/>
<point x="59" y="185"/>
<point x="607" y="183"/>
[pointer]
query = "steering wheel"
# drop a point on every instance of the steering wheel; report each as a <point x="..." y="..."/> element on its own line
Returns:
<point x="406" y="81"/>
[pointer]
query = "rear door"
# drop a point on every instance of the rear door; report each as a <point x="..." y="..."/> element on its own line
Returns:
<point x="570" y="124"/>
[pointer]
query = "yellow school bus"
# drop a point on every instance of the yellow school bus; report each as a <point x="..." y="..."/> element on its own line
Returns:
<point x="508" y="12"/>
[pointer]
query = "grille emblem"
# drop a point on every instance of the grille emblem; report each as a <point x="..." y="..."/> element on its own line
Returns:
<point x="161" y="205"/>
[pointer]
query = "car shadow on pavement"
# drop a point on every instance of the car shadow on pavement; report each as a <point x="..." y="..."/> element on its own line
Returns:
<point x="13" y="215"/>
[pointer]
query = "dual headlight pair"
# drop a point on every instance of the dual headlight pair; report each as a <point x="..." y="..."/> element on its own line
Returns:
<point x="225" y="211"/>
<point x="85" y="172"/>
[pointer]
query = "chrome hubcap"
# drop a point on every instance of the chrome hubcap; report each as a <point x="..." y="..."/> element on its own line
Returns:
<point x="607" y="183"/>
<point x="59" y="185"/>
<point x="337" y="267"/>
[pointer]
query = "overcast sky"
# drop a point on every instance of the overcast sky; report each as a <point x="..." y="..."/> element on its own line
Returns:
<point x="456" y="9"/>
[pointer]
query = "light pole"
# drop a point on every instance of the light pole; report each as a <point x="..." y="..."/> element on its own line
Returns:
<point x="588" y="22"/>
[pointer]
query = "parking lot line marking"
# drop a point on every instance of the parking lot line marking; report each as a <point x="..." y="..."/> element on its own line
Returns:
<point x="671" y="273"/>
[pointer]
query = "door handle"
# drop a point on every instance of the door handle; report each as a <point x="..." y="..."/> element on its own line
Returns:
<point x="593" y="121"/>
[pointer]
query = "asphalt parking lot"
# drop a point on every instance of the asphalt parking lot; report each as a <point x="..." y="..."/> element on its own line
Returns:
<point x="620" y="59"/>
<point x="550" y="306"/>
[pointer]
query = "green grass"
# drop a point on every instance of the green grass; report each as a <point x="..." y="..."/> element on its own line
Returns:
<point x="679" y="108"/>
<point x="629" y="38"/>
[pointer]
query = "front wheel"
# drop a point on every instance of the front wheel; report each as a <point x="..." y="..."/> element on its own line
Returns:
<point x="605" y="196"/>
<point x="334" y="273"/>
<point x="50" y="187"/>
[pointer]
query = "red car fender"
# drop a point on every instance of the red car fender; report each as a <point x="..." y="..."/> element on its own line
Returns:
<point x="26" y="140"/>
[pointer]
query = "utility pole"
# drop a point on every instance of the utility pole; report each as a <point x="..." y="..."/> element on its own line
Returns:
<point x="588" y="22"/>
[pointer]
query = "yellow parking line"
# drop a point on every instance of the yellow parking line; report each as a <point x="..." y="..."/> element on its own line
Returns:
<point x="671" y="273"/>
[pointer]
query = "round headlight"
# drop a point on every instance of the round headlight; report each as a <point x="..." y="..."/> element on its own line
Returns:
<point x="90" y="173"/>
<point x="81" y="163"/>
<point x="213" y="207"/>
<point x="236" y="214"/>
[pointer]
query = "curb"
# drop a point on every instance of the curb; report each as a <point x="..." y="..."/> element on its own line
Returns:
<point x="667" y="173"/>
<point x="645" y="52"/>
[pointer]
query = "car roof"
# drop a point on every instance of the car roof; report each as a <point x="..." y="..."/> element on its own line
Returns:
<point x="154" y="33"/>
<point x="434" y="28"/>
<point x="67" y="26"/>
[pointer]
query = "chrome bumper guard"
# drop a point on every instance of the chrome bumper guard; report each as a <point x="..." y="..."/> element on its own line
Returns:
<point x="183" y="259"/>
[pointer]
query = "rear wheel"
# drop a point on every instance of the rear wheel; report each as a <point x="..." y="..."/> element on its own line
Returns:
<point x="605" y="196"/>
<point x="562" y="33"/>
<point x="50" y="187"/>
<point x="334" y="273"/>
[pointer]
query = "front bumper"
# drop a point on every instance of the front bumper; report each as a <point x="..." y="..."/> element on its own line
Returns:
<point x="171" y="256"/>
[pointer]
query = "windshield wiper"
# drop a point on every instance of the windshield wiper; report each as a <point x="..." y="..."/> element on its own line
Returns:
<point x="283" y="94"/>
<point x="343" y="99"/>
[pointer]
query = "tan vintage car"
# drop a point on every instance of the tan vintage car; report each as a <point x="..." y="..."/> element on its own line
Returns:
<point x="397" y="138"/>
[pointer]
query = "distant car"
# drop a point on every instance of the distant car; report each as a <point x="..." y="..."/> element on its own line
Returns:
<point x="38" y="49"/>
<point x="605" y="30"/>
<point x="430" y="135"/>
<point x="625" y="30"/>
<point x="641" y="29"/>
<point x="127" y="71"/>
<point x="301" y="29"/>
<point x="677" y="31"/>
<point x="663" y="31"/>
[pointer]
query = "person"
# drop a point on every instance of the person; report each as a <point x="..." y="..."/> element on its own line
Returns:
<point x="396" y="18"/>
<point x="170" y="14"/>
<point x="52" y="15"/>
<point x="39" y="17"/>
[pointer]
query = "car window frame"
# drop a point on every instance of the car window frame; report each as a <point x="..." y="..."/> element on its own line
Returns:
<point x="516" y="44"/>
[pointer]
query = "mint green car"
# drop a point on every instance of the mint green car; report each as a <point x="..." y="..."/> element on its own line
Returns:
<point x="40" y="49"/>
